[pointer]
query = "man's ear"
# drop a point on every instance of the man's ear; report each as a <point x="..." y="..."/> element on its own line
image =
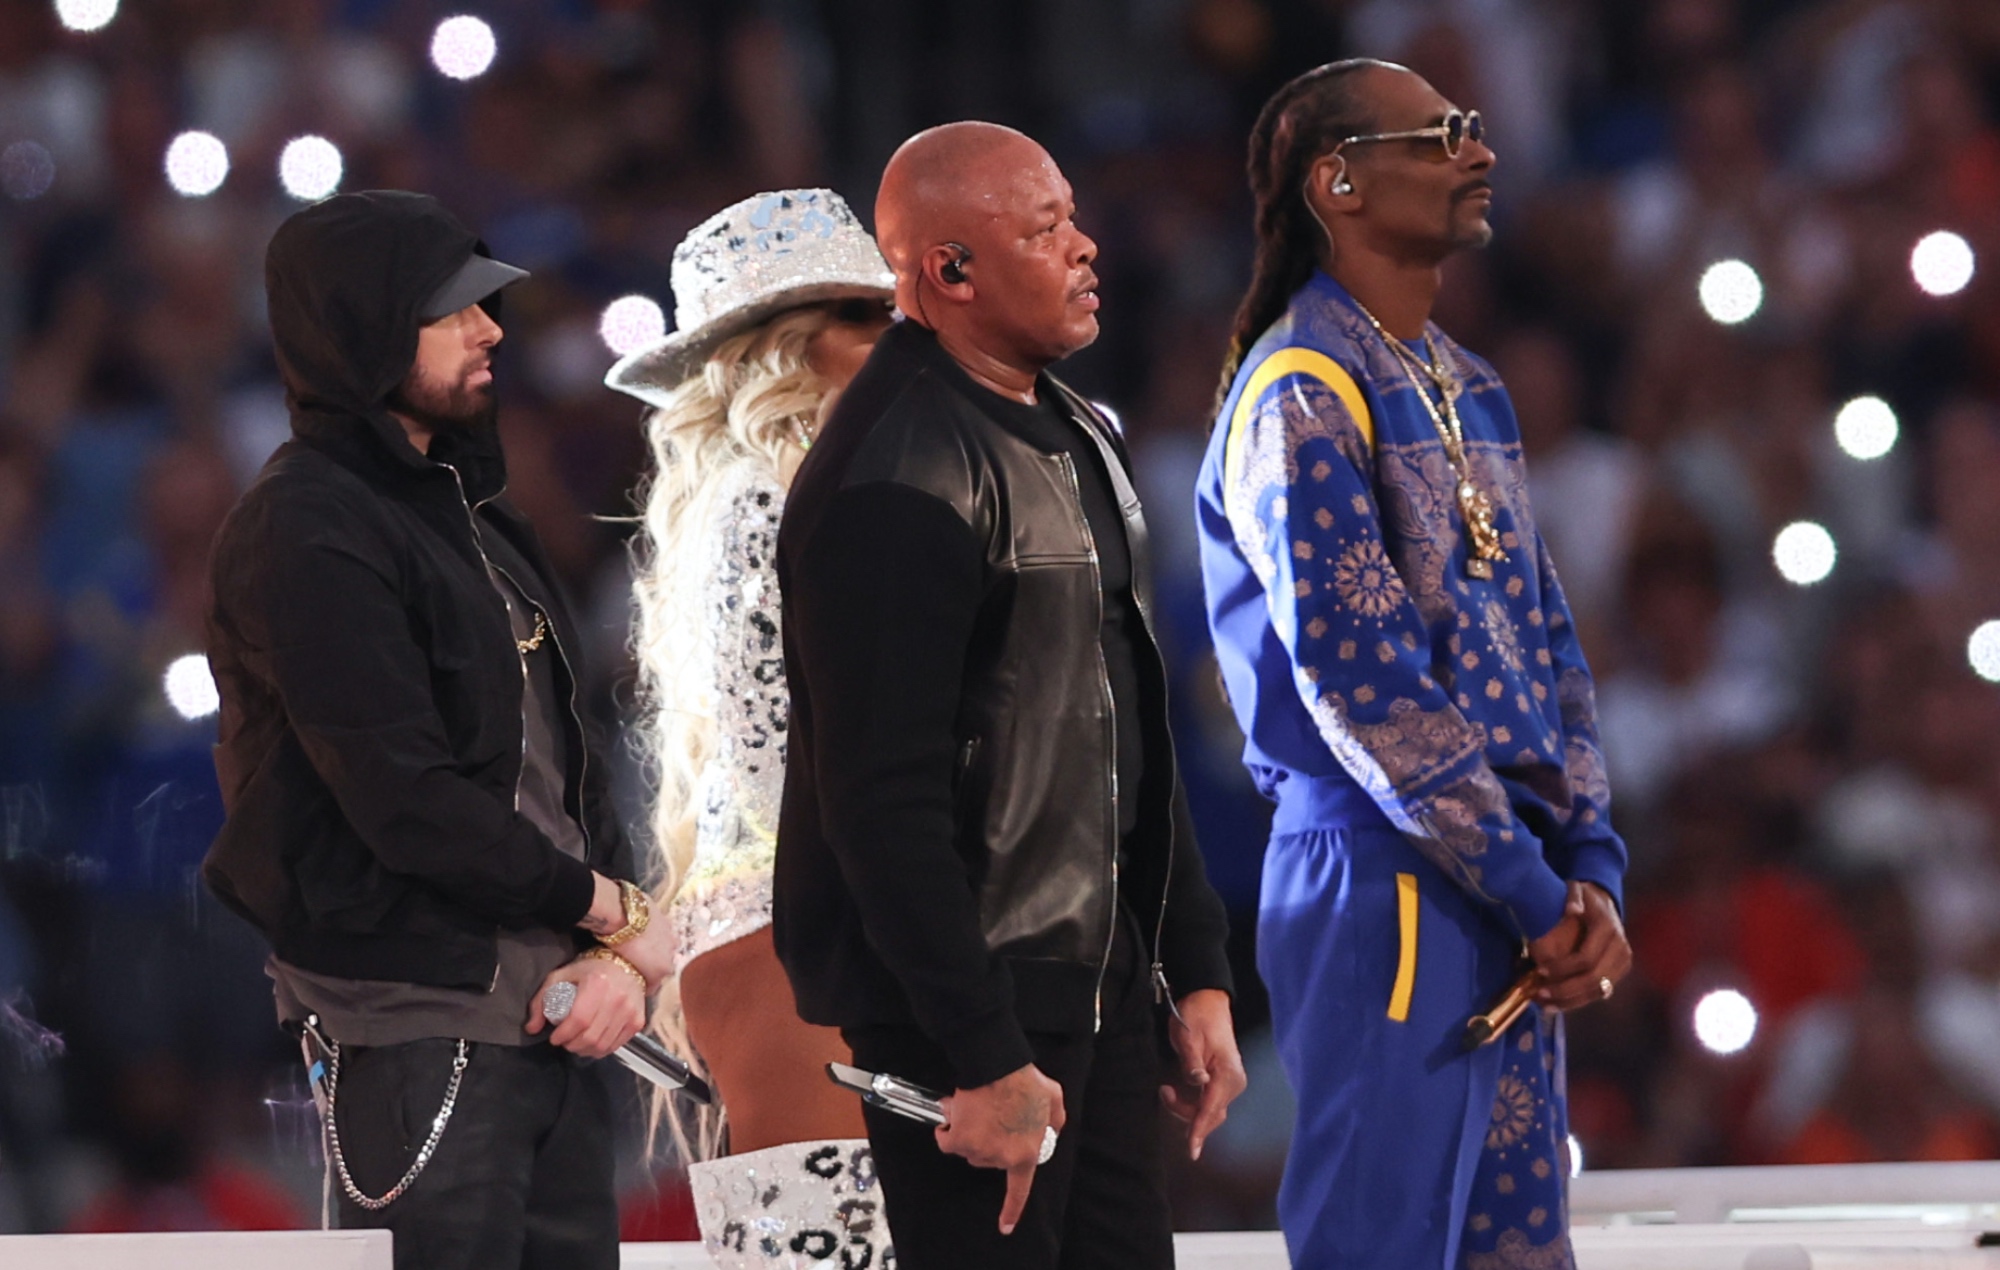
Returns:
<point x="1330" y="183"/>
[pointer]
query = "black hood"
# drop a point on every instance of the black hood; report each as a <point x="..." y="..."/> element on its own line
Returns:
<point x="345" y="280"/>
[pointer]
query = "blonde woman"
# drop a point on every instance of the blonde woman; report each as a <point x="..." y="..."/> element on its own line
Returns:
<point x="777" y="301"/>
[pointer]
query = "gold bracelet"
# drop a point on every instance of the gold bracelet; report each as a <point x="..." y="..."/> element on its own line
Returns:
<point x="605" y="954"/>
<point x="638" y="915"/>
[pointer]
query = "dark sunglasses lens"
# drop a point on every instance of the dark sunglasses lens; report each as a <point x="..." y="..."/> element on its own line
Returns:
<point x="859" y="312"/>
<point x="1475" y="127"/>
<point x="1454" y="133"/>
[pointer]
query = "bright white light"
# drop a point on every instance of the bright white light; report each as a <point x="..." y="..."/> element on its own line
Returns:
<point x="1866" y="428"/>
<point x="1575" y="1156"/>
<point x="463" y="47"/>
<point x="86" y="15"/>
<point x="309" y="168"/>
<point x="630" y="323"/>
<point x="197" y="162"/>
<point x="1731" y="291"/>
<point x="1724" y="1021"/>
<point x="1983" y="651"/>
<point x="1941" y="263"/>
<point x="190" y="688"/>
<point x="1804" y="552"/>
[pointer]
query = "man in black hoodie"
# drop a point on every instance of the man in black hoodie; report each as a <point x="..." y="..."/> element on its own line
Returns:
<point x="415" y="819"/>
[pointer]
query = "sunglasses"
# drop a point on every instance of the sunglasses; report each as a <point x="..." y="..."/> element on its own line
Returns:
<point x="861" y="312"/>
<point x="1458" y="127"/>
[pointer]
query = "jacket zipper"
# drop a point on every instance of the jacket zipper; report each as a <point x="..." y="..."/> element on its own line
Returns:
<point x="583" y="750"/>
<point x="1162" y="992"/>
<point x="491" y="570"/>
<point x="1111" y="714"/>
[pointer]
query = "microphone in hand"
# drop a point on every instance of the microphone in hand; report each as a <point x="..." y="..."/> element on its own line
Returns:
<point x="642" y="1053"/>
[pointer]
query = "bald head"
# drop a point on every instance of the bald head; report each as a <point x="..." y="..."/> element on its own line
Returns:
<point x="943" y="184"/>
<point x="978" y="223"/>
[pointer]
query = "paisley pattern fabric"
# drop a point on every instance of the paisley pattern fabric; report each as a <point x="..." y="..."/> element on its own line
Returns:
<point x="1353" y="641"/>
<point x="1430" y="741"/>
<point x="1517" y="1213"/>
<point x="727" y="892"/>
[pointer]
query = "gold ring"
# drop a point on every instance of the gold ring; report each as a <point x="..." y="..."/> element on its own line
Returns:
<point x="1604" y="985"/>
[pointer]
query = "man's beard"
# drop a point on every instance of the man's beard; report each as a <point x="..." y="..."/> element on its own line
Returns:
<point x="444" y="407"/>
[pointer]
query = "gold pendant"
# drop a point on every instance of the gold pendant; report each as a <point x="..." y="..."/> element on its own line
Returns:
<point x="1482" y="540"/>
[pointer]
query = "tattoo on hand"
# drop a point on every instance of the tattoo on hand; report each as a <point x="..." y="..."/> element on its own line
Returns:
<point x="1025" y="1113"/>
<point x="596" y="925"/>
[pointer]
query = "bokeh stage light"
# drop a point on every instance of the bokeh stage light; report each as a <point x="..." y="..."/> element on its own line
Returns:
<point x="310" y="168"/>
<point x="462" y="47"/>
<point x="1942" y="263"/>
<point x="1982" y="650"/>
<point x="1725" y="1022"/>
<point x="197" y="164"/>
<point x="1731" y="292"/>
<point x="27" y="170"/>
<point x="630" y="323"/>
<point x="1866" y="428"/>
<point x="86" y="15"/>
<point x="1804" y="552"/>
<point x="191" y="688"/>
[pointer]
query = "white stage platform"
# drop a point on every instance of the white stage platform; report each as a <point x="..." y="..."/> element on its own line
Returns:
<point x="1833" y="1217"/>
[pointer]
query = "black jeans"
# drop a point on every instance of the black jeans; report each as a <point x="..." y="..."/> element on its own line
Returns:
<point x="1099" y="1204"/>
<point x="522" y="1176"/>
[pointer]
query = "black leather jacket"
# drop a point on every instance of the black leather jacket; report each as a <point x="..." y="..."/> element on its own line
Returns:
<point x="1031" y="786"/>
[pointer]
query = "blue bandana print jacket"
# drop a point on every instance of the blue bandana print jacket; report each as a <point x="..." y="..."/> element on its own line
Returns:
<point x="1351" y="640"/>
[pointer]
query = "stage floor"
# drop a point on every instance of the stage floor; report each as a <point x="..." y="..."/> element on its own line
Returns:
<point x="1833" y="1217"/>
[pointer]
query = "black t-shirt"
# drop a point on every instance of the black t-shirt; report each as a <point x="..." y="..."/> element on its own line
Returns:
<point x="1047" y="426"/>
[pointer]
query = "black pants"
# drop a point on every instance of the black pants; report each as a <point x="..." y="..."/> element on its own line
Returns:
<point x="521" y="1177"/>
<point x="1101" y="1202"/>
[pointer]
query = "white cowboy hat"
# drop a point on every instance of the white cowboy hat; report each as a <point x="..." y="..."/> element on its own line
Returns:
<point x="768" y="253"/>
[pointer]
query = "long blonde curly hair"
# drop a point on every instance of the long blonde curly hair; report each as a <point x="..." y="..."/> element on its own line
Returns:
<point x="753" y="402"/>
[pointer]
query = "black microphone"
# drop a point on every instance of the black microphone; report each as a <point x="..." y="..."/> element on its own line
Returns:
<point x="642" y="1053"/>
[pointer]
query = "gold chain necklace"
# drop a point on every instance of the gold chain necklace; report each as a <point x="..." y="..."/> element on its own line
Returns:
<point x="534" y="641"/>
<point x="1483" y="540"/>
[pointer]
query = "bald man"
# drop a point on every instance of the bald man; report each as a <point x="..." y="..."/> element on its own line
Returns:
<point x="986" y="876"/>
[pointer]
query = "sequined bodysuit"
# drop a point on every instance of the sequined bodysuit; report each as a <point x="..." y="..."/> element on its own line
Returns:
<point x="727" y="892"/>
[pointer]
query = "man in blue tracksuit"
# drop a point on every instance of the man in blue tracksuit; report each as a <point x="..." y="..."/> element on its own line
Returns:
<point x="1402" y="661"/>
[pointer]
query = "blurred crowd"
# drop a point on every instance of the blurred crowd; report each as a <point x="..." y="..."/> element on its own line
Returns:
<point x="1808" y="773"/>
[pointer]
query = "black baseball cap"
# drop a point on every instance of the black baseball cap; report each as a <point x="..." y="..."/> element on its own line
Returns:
<point x="479" y="277"/>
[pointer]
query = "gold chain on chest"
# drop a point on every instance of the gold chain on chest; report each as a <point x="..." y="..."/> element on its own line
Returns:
<point x="534" y="641"/>
<point x="1483" y="539"/>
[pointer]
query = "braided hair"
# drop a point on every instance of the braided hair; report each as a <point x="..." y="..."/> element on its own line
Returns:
<point x="1302" y="121"/>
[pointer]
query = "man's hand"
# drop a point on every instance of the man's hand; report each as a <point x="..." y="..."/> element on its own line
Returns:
<point x="1211" y="1073"/>
<point x="1599" y="956"/>
<point x="1001" y="1126"/>
<point x="609" y="1011"/>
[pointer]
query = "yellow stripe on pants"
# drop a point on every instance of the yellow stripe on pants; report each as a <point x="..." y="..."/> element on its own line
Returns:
<point x="1406" y="959"/>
